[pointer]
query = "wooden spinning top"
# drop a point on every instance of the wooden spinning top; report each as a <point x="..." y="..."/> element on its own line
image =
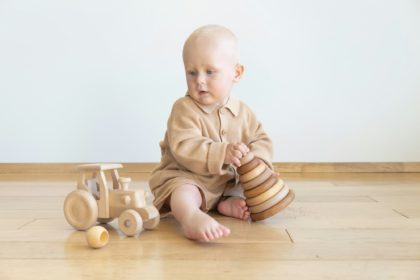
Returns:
<point x="265" y="193"/>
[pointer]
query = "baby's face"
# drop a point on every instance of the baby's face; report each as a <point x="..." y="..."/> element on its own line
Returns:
<point x="211" y="71"/>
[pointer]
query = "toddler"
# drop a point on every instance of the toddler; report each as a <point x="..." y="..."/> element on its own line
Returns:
<point x="208" y="132"/>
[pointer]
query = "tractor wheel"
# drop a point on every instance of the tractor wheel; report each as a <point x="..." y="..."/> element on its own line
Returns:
<point x="152" y="223"/>
<point x="105" y="220"/>
<point x="80" y="209"/>
<point x="130" y="222"/>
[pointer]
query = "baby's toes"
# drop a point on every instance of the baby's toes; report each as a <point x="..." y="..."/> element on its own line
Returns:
<point x="204" y="238"/>
<point x="209" y="235"/>
<point x="225" y="231"/>
<point x="216" y="233"/>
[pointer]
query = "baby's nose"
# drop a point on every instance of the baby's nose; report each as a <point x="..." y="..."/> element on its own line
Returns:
<point x="201" y="79"/>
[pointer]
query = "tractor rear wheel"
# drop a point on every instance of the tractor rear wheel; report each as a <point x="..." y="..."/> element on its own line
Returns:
<point x="80" y="209"/>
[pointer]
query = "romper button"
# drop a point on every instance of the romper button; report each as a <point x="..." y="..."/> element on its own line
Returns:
<point x="223" y="132"/>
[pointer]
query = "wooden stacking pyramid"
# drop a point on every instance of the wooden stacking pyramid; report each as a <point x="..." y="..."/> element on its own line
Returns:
<point x="265" y="193"/>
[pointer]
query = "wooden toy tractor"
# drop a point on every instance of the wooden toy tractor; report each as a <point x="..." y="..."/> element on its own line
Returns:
<point x="94" y="201"/>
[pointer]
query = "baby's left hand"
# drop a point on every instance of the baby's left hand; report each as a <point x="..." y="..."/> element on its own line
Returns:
<point x="234" y="153"/>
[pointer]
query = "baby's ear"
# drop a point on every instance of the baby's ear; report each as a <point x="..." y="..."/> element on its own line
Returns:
<point x="239" y="71"/>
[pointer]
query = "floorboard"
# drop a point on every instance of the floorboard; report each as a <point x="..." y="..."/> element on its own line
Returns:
<point x="341" y="226"/>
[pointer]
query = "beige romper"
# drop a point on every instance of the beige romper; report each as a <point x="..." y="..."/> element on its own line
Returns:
<point x="194" y="148"/>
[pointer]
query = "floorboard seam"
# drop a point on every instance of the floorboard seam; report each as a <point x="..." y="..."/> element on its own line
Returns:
<point x="290" y="237"/>
<point x="25" y="224"/>
<point x="400" y="214"/>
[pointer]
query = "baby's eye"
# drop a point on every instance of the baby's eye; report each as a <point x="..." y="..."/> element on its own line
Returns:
<point x="192" y="73"/>
<point x="210" y="72"/>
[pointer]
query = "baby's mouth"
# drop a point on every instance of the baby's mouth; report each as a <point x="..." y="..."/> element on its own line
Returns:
<point x="202" y="92"/>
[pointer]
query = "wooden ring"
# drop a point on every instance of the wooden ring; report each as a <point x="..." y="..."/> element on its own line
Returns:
<point x="249" y="166"/>
<point x="262" y="187"/>
<point x="258" y="180"/>
<point x="247" y="158"/>
<point x="272" y="201"/>
<point x="275" y="209"/>
<point x="265" y="195"/>
<point x="253" y="173"/>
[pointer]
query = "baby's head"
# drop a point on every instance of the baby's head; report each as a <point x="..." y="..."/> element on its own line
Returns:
<point x="211" y="60"/>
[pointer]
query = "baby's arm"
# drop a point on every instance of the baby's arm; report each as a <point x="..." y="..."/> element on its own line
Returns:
<point x="259" y="142"/>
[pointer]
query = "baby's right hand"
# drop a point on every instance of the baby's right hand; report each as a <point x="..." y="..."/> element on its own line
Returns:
<point x="234" y="153"/>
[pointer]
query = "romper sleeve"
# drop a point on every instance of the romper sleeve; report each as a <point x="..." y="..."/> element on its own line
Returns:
<point x="259" y="142"/>
<point x="197" y="153"/>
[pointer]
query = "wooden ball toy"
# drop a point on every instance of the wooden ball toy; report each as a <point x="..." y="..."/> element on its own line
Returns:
<point x="97" y="237"/>
<point x="265" y="193"/>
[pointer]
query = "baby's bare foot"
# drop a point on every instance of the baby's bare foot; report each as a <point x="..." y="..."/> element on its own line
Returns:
<point x="202" y="227"/>
<point x="234" y="207"/>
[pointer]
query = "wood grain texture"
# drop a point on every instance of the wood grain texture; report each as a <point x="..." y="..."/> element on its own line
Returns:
<point x="340" y="226"/>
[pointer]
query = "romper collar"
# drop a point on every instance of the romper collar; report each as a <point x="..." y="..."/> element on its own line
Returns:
<point x="232" y="105"/>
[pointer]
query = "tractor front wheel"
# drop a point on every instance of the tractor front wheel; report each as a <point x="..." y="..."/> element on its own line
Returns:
<point x="152" y="223"/>
<point x="130" y="222"/>
<point x="105" y="220"/>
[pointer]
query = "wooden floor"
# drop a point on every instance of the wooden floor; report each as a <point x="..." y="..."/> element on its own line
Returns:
<point x="341" y="226"/>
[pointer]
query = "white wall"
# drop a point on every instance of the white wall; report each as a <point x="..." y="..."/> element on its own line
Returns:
<point x="94" y="80"/>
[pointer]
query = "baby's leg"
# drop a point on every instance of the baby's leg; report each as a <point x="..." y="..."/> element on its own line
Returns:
<point x="234" y="207"/>
<point x="185" y="205"/>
